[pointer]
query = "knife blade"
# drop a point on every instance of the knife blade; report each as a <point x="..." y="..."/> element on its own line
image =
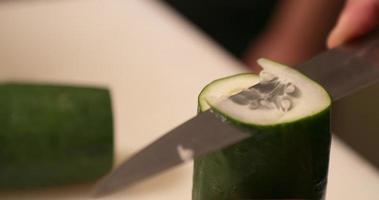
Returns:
<point x="341" y="71"/>
<point x="198" y="136"/>
<point x="346" y="69"/>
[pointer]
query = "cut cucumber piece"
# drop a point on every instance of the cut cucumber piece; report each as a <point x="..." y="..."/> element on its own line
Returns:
<point x="54" y="135"/>
<point x="288" y="153"/>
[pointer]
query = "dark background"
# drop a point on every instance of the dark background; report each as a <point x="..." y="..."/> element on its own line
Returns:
<point x="231" y="23"/>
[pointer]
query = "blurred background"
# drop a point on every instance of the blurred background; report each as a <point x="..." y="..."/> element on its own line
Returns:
<point x="289" y="31"/>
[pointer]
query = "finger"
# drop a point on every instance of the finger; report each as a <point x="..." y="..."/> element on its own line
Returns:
<point x="358" y="18"/>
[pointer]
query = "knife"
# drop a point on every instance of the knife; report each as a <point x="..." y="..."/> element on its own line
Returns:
<point x="341" y="71"/>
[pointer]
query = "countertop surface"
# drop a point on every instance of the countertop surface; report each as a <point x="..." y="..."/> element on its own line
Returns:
<point x="155" y="64"/>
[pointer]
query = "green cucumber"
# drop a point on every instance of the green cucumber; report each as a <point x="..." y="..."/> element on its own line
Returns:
<point x="54" y="135"/>
<point x="288" y="153"/>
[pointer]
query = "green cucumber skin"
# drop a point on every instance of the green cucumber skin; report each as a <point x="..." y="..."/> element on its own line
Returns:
<point x="54" y="135"/>
<point x="283" y="161"/>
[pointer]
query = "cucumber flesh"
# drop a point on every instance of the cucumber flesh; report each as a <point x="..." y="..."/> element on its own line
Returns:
<point x="283" y="95"/>
<point x="225" y="87"/>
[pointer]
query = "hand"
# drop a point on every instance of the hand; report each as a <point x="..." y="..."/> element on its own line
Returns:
<point x="358" y="18"/>
<point x="297" y="31"/>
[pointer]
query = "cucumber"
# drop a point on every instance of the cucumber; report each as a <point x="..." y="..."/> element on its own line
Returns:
<point x="287" y="156"/>
<point x="54" y="135"/>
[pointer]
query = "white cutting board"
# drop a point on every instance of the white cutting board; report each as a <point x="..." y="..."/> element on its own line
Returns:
<point x="155" y="65"/>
